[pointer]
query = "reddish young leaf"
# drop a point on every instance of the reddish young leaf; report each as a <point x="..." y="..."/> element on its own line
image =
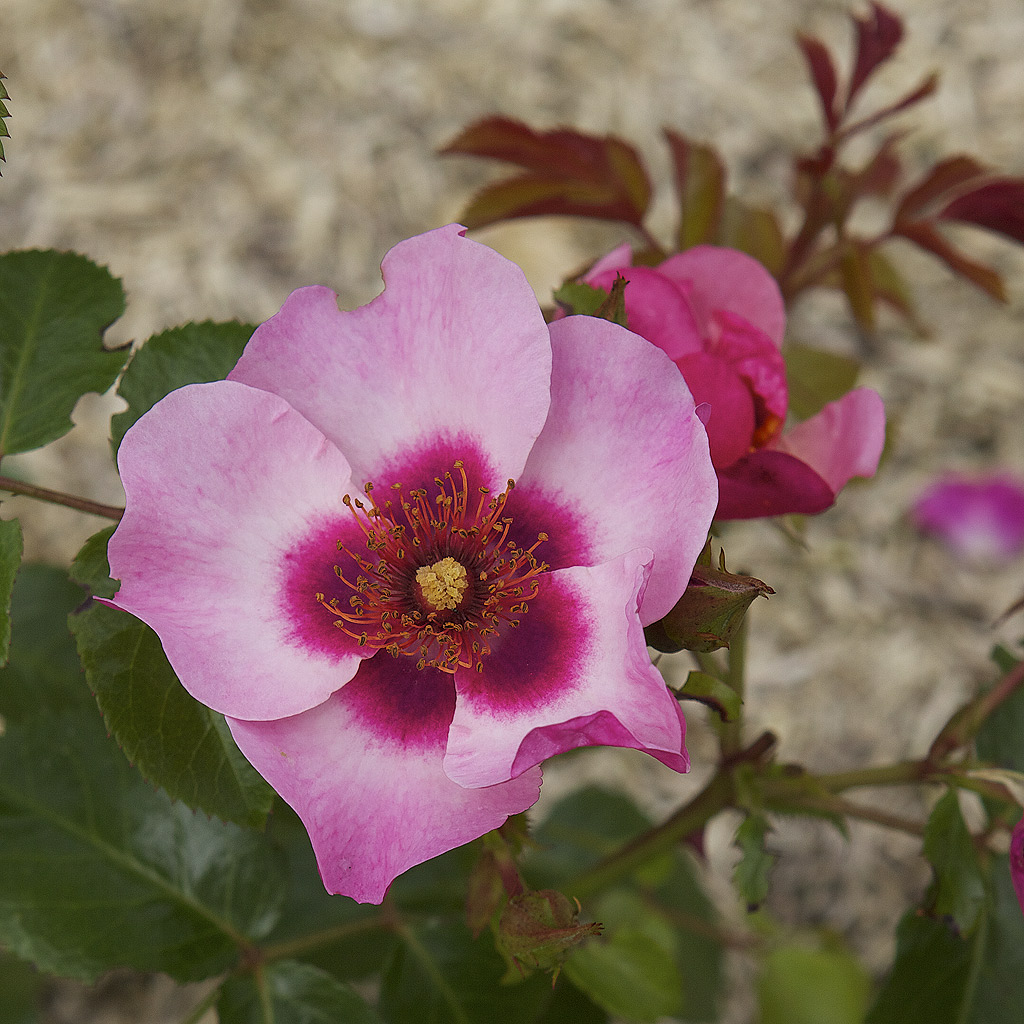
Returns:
<point x="700" y="184"/>
<point x="997" y="204"/>
<point x="925" y="89"/>
<point x="568" y="173"/>
<point x="823" y="75"/>
<point x="924" y="234"/>
<point x="878" y="35"/>
<point x="951" y="173"/>
<point x="879" y="175"/>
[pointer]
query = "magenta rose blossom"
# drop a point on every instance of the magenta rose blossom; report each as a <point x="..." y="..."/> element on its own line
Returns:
<point x="409" y="550"/>
<point x="719" y="316"/>
<point x="980" y="519"/>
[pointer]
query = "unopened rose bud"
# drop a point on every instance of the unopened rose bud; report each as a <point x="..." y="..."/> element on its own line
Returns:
<point x="539" y="929"/>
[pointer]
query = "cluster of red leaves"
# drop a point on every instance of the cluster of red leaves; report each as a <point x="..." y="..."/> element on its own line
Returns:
<point x="565" y="172"/>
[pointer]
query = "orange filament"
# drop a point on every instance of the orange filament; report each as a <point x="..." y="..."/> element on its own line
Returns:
<point x="439" y="580"/>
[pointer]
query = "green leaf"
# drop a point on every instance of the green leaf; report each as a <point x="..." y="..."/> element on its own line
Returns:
<point x="575" y="297"/>
<point x="54" y="308"/>
<point x="97" y="868"/>
<point x="799" y="985"/>
<point x="43" y="657"/>
<point x="288" y="992"/>
<point x="755" y="231"/>
<point x="345" y="938"/>
<point x="592" y="823"/>
<point x="1000" y="740"/>
<point x="91" y="568"/>
<point x="175" y="741"/>
<point x="940" y="977"/>
<point x="10" y="558"/>
<point x="958" y="891"/>
<point x="20" y="991"/>
<point x="751" y="873"/>
<point x="855" y="272"/>
<point x="191" y="354"/>
<point x="631" y="971"/>
<point x="815" y="378"/>
<point x="721" y="697"/>
<point x="441" y="975"/>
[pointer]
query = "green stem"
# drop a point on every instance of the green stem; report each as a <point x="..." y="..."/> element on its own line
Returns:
<point x="899" y="774"/>
<point x="731" y="733"/>
<point x="848" y="809"/>
<point x="199" y="1012"/>
<point x="296" y="947"/>
<point x="714" y="797"/>
<point x="426" y="961"/>
<point x="95" y="508"/>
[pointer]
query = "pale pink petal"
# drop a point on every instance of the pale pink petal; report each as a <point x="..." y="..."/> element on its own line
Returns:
<point x="455" y="342"/>
<point x="576" y="672"/>
<point x="726" y="279"/>
<point x="233" y="512"/>
<point x="1017" y="861"/>
<point x="624" y="452"/>
<point x="770" y="483"/>
<point x="730" y="405"/>
<point x="363" y="772"/>
<point x="844" y="440"/>
<point x="656" y="308"/>
<point x="979" y="518"/>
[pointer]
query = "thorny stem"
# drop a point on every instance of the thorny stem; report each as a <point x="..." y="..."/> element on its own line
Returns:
<point x="95" y="508"/>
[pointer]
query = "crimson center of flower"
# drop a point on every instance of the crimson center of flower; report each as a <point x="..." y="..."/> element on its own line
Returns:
<point x="438" y="581"/>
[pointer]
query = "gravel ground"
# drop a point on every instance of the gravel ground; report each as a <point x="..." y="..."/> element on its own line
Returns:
<point x="218" y="153"/>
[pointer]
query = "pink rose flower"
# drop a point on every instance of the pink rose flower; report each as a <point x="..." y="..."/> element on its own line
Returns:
<point x="333" y="553"/>
<point x="719" y="316"/>
<point x="980" y="519"/>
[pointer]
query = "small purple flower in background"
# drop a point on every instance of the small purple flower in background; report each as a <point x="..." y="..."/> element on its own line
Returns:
<point x="980" y="519"/>
<point x="334" y="554"/>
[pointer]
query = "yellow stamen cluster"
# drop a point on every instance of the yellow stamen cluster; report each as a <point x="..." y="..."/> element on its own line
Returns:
<point x="443" y="583"/>
<point x="439" y="580"/>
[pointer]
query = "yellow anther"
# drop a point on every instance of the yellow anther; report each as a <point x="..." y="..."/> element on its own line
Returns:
<point x="443" y="583"/>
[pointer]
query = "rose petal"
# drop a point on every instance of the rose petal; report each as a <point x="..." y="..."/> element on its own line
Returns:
<point x="453" y="343"/>
<point x="624" y="451"/>
<point x="730" y="418"/>
<point x="363" y="772"/>
<point x="753" y="355"/>
<point x="656" y="308"/>
<point x="844" y="440"/>
<point x="726" y="279"/>
<point x="576" y="672"/>
<point x="979" y="519"/>
<point x="771" y="483"/>
<point x="233" y="507"/>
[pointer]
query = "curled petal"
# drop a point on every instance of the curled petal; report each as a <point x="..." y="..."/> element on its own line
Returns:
<point x="753" y="355"/>
<point x="575" y="673"/>
<point x="726" y="279"/>
<point x="363" y="772"/>
<point x="210" y="556"/>
<point x="771" y="483"/>
<point x="455" y="317"/>
<point x="844" y="440"/>
<point x="624" y="451"/>
<point x="730" y="419"/>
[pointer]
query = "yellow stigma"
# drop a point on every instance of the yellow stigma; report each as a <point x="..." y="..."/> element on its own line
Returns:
<point x="442" y="584"/>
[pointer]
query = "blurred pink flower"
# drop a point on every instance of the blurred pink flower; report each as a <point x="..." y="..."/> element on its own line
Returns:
<point x="719" y="316"/>
<point x="397" y="660"/>
<point x="1017" y="862"/>
<point x="980" y="519"/>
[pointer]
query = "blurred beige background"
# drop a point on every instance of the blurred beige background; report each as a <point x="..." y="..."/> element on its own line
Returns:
<point x="216" y="154"/>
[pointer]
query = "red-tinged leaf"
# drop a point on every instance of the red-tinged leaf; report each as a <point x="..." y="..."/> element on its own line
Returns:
<point x="857" y="284"/>
<point x="568" y="173"/>
<point x="924" y="234"/>
<point x="755" y="231"/>
<point x="952" y="173"/>
<point x="700" y="184"/>
<point x="892" y="288"/>
<point x="878" y="177"/>
<point x="878" y="34"/>
<point x="925" y="89"/>
<point x="997" y="205"/>
<point x="823" y="75"/>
